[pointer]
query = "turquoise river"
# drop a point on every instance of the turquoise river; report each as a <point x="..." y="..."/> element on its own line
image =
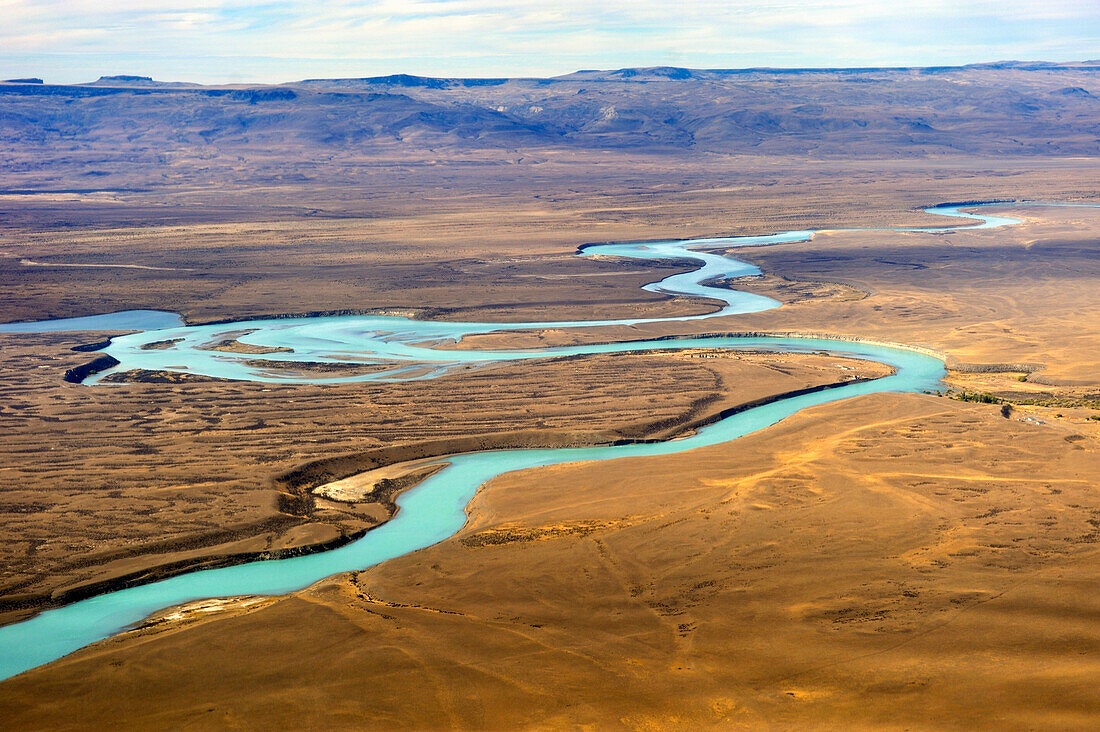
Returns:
<point x="397" y="348"/>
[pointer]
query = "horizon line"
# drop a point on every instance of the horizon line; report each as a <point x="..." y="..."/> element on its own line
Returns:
<point x="1028" y="65"/>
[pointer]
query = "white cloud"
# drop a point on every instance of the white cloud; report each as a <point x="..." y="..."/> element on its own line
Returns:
<point x="521" y="36"/>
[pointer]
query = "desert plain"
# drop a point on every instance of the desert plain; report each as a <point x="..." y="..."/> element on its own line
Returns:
<point x="894" y="561"/>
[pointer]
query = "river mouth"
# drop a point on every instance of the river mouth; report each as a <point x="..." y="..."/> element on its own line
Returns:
<point x="435" y="509"/>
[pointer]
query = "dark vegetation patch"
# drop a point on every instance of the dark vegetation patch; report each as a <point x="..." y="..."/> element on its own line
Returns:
<point x="77" y="374"/>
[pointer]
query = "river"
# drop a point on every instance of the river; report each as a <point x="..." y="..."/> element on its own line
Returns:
<point x="435" y="509"/>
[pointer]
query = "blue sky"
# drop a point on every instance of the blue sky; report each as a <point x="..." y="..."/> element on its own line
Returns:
<point x="271" y="40"/>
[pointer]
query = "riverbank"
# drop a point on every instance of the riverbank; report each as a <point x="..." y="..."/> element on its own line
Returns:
<point x="924" y="488"/>
<point x="299" y="500"/>
<point x="256" y="248"/>
<point x="432" y="512"/>
<point x="186" y="471"/>
<point x="856" y="565"/>
<point x="290" y="503"/>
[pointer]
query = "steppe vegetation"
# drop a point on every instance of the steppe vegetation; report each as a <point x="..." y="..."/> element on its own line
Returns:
<point x="883" y="561"/>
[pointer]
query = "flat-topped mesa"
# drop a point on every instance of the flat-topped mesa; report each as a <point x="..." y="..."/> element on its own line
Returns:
<point x="125" y="78"/>
<point x="408" y="81"/>
<point x="1039" y="110"/>
<point x="147" y="82"/>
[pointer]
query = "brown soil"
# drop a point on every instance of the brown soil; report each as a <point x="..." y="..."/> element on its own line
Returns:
<point x="160" y="345"/>
<point x="1022" y="294"/>
<point x="886" y="562"/>
<point x="232" y="345"/>
<point x="465" y="240"/>
<point x="130" y="482"/>
<point x="891" y="562"/>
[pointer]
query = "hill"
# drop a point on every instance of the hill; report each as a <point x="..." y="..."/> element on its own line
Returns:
<point x="1002" y="109"/>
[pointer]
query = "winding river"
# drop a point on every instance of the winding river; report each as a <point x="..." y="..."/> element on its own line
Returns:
<point x="400" y="349"/>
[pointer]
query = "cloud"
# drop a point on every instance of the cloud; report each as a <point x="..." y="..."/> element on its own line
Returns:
<point x="533" y="36"/>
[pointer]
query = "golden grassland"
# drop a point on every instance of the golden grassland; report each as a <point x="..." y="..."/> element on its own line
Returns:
<point x="890" y="562"/>
<point x="1024" y="294"/>
<point x="137" y="481"/>
<point x="893" y="561"/>
<point x="465" y="240"/>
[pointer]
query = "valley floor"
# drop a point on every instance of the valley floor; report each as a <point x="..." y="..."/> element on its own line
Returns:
<point x="893" y="561"/>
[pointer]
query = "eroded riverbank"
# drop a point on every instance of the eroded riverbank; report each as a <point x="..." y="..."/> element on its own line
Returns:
<point x="915" y="371"/>
<point x="430" y="512"/>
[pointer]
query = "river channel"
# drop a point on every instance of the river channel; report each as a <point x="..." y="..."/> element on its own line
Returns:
<point x="402" y="349"/>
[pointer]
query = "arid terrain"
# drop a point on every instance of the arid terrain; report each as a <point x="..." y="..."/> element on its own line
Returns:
<point x="143" y="480"/>
<point x="894" y="561"/>
<point x="1024" y="295"/>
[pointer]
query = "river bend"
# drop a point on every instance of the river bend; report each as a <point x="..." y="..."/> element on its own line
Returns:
<point x="401" y="347"/>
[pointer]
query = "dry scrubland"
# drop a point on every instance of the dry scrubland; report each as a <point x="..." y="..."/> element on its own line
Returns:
<point x="1025" y="295"/>
<point x="491" y="240"/>
<point x="956" y="591"/>
<point x="132" y="482"/>
<point x="892" y="561"/>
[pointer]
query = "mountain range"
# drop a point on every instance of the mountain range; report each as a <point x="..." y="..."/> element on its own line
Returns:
<point x="131" y="132"/>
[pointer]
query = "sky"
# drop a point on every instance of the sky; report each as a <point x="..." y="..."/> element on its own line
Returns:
<point x="270" y="41"/>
